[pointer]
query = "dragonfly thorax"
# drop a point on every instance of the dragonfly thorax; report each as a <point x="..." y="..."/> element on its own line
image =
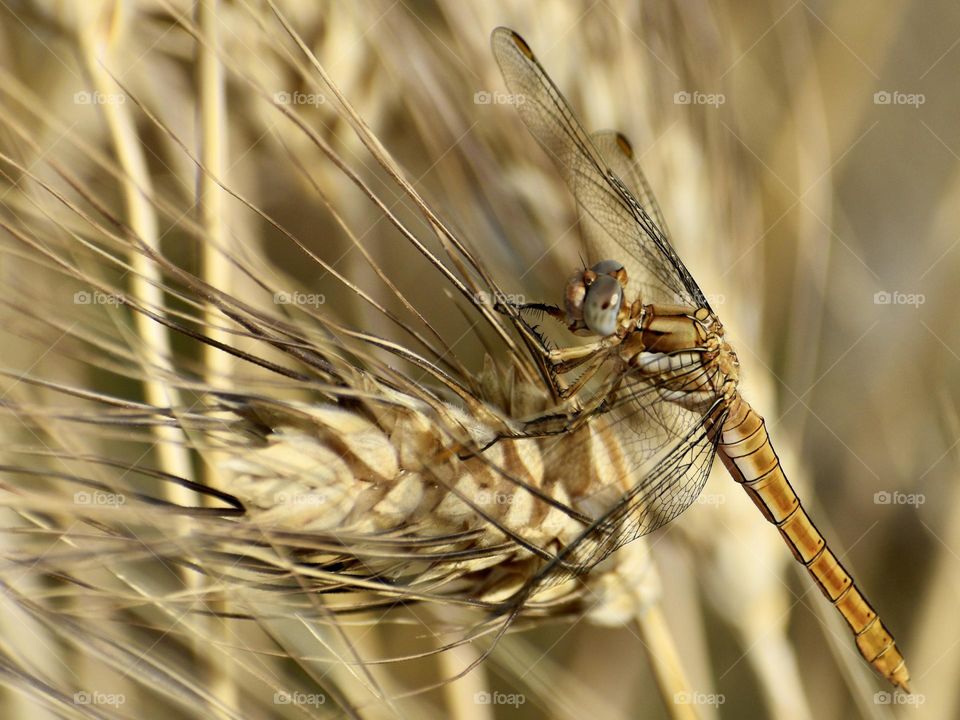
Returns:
<point x="683" y="350"/>
<point x="680" y="348"/>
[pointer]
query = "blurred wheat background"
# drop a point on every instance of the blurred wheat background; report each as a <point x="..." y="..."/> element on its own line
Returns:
<point x="806" y="157"/>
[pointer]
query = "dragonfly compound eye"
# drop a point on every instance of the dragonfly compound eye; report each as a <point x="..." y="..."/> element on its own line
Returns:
<point x="601" y="306"/>
<point x="607" y="267"/>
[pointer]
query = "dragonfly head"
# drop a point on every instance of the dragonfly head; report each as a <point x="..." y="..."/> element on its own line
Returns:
<point x="594" y="299"/>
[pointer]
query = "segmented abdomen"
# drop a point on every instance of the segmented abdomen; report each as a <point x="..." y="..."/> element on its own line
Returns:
<point x="750" y="458"/>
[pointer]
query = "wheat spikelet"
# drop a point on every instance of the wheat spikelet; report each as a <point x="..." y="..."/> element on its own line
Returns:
<point x="358" y="492"/>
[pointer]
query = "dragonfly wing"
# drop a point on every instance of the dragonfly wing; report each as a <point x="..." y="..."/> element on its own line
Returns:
<point x="620" y="227"/>
<point x="667" y="440"/>
<point x="619" y="156"/>
<point x="663" y="492"/>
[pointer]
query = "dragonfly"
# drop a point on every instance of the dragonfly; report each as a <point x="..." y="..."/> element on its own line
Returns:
<point x="655" y="360"/>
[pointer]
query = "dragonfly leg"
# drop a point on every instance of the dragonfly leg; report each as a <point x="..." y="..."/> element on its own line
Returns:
<point x="561" y="360"/>
<point x="571" y="357"/>
<point x="560" y="423"/>
<point x="551" y="310"/>
<point x="516" y="310"/>
<point x="553" y="423"/>
<point x="593" y="366"/>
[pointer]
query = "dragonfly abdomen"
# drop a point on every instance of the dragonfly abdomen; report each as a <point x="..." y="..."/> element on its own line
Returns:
<point x="748" y="455"/>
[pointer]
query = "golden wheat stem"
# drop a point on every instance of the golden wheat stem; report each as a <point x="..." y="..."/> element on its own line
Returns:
<point x="461" y="695"/>
<point x="97" y="35"/>
<point x="665" y="660"/>
<point x="214" y="268"/>
<point x="212" y="200"/>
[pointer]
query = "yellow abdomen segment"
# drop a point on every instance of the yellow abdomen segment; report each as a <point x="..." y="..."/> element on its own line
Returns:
<point x="750" y="458"/>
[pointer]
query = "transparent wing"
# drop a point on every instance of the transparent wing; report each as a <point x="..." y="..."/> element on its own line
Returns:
<point x="662" y="494"/>
<point x="664" y="452"/>
<point x="618" y="153"/>
<point x="664" y="437"/>
<point x="621" y="227"/>
<point x="664" y="491"/>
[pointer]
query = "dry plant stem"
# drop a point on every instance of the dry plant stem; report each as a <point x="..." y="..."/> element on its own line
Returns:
<point x="171" y="445"/>
<point x="667" y="667"/>
<point x="215" y="269"/>
<point x="212" y="199"/>
<point x="461" y="694"/>
<point x="775" y="662"/>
